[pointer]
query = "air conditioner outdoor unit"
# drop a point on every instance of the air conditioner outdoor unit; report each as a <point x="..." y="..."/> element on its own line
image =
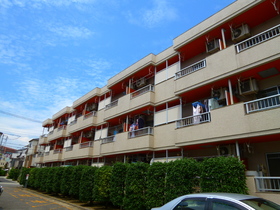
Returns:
<point x="240" y="33"/>
<point x="213" y="46"/>
<point x="92" y="107"/>
<point x="248" y="86"/>
<point x="224" y="150"/>
<point x="219" y="94"/>
<point x="87" y="135"/>
<point x="141" y="82"/>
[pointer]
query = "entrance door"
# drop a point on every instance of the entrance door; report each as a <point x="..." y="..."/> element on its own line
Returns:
<point x="273" y="161"/>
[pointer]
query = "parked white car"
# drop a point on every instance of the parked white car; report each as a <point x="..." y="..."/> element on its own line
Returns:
<point x="1" y="190"/>
<point x="219" y="201"/>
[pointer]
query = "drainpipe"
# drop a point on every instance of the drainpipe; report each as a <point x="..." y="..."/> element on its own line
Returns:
<point x="166" y="67"/>
<point x="166" y="113"/>
<point x="155" y="72"/>
<point x="223" y="38"/>
<point x="181" y="108"/>
<point x="166" y="154"/>
<point x="237" y="150"/>
<point x="179" y="55"/>
<point x="126" y="123"/>
<point x="129" y="85"/>
<point x="230" y="92"/>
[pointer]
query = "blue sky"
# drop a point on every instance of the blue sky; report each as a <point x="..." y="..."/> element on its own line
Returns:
<point x="52" y="52"/>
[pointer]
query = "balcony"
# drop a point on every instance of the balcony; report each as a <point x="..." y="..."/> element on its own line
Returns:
<point x="193" y="120"/>
<point x="258" y="39"/>
<point x="39" y="158"/>
<point x="31" y="150"/>
<point x="82" y="122"/>
<point x="126" y="142"/>
<point x="140" y="132"/>
<point x="78" y="151"/>
<point x="57" y="133"/>
<point x="230" y="122"/>
<point x="190" y="69"/>
<point x="43" y="139"/>
<point x="262" y="104"/>
<point x="53" y="156"/>
<point x="129" y="102"/>
<point x="228" y="62"/>
<point x="267" y="184"/>
<point x="112" y="104"/>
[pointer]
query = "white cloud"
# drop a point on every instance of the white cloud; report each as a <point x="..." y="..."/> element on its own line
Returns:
<point x="39" y="3"/>
<point x="155" y="16"/>
<point x="71" y="31"/>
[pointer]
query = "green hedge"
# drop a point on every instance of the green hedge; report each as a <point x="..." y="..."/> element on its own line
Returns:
<point x="87" y="183"/>
<point x="65" y="185"/>
<point x="156" y="181"/>
<point x="57" y="177"/>
<point x="139" y="186"/>
<point x="117" y="183"/>
<point x="13" y="174"/>
<point x="223" y="174"/>
<point x="135" y="186"/>
<point x="101" y="188"/>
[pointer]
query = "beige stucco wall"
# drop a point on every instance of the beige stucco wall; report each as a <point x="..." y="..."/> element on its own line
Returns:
<point x="165" y="136"/>
<point x="216" y="67"/>
<point x="127" y="104"/>
<point x="273" y="196"/>
<point x="217" y="19"/>
<point x="165" y="91"/>
<point x="229" y="123"/>
<point x="77" y="153"/>
<point x="123" y="144"/>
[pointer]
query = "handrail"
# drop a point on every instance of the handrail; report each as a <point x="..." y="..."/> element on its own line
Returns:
<point x="193" y="120"/>
<point x="86" y="144"/>
<point x="90" y="114"/>
<point x="190" y="69"/>
<point x="257" y="39"/>
<point x="141" y="91"/>
<point x="140" y="132"/>
<point x="108" y="139"/>
<point x="264" y="183"/>
<point x="262" y="104"/>
<point x="112" y="104"/>
<point x="56" y="151"/>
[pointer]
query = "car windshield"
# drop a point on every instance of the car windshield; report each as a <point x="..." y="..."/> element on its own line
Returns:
<point x="259" y="204"/>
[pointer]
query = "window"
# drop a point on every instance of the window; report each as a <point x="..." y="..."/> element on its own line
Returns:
<point x="225" y="205"/>
<point x="191" y="204"/>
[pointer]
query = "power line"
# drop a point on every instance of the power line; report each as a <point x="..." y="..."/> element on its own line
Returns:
<point x="18" y="116"/>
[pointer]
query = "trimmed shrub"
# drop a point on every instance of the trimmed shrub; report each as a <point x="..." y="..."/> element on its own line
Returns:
<point x="135" y="186"/>
<point x="13" y="174"/>
<point x="49" y="179"/>
<point x="22" y="177"/>
<point x="66" y="180"/>
<point x="223" y="174"/>
<point x="57" y="177"/>
<point x="156" y="179"/>
<point x="76" y="180"/>
<point x="87" y="183"/>
<point x="181" y="178"/>
<point x="32" y="180"/>
<point x="117" y="183"/>
<point x="43" y="179"/>
<point x="101" y="188"/>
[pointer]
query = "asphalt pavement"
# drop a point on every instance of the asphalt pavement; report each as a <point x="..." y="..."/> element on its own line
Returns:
<point x="16" y="197"/>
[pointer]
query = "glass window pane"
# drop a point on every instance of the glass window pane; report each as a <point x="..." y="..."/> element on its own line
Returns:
<point x="191" y="203"/>
<point x="224" y="205"/>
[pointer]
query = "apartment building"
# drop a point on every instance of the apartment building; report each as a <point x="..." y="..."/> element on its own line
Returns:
<point x="31" y="153"/>
<point x="215" y="91"/>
